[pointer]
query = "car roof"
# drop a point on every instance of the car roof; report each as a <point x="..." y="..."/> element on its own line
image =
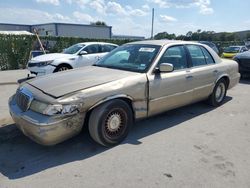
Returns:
<point x="163" y="42"/>
<point x="88" y="43"/>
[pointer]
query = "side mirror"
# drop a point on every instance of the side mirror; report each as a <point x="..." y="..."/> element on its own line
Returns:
<point x="82" y="53"/>
<point x="166" y="67"/>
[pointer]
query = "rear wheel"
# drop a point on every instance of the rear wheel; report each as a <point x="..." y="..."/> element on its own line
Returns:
<point x="219" y="93"/>
<point x="109" y="123"/>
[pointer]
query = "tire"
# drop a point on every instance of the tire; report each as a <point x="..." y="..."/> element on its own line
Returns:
<point x="62" y="68"/>
<point x="109" y="123"/>
<point x="219" y="93"/>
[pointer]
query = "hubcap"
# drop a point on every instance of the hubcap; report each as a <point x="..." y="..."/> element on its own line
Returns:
<point x="114" y="124"/>
<point x="220" y="92"/>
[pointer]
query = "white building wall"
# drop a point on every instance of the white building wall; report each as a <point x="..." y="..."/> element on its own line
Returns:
<point x="84" y="31"/>
<point x="14" y="27"/>
<point x="45" y="29"/>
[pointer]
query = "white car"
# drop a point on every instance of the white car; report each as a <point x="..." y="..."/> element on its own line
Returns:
<point x="78" y="55"/>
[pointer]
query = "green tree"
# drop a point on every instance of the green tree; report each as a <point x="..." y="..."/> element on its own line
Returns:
<point x="222" y="37"/>
<point x="230" y="37"/>
<point x="248" y="36"/>
<point x="99" y="23"/>
<point x="164" y="35"/>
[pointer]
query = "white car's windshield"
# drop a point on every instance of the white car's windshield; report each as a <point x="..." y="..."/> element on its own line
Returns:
<point x="73" y="49"/>
<point x="131" y="57"/>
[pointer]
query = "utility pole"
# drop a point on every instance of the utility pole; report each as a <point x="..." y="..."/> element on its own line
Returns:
<point x="152" y="28"/>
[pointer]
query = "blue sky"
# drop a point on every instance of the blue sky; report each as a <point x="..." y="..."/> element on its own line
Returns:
<point x="133" y="17"/>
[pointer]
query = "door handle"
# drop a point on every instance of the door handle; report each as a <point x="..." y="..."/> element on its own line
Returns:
<point x="189" y="77"/>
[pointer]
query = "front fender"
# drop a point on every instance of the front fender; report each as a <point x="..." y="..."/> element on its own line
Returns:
<point x="139" y="107"/>
<point x="58" y="62"/>
<point x="111" y="98"/>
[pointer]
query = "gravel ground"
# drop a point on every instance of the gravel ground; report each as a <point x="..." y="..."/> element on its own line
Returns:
<point x="193" y="146"/>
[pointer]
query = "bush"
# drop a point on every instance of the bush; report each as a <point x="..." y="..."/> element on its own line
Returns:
<point x="15" y="49"/>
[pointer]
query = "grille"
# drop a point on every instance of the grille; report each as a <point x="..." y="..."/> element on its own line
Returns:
<point x="32" y="64"/>
<point x="22" y="101"/>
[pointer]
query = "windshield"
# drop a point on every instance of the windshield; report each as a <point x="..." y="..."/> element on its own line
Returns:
<point x="232" y="49"/>
<point x="130" y="57"/>
<point x="73" y="49"/>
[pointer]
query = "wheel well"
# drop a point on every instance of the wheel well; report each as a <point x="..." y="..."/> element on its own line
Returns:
<point x="226" y="80"/>
<point x="63" y="65"/>
<point x="128" y="101"/>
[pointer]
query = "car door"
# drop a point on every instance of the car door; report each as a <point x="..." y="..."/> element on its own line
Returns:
<point x="204" y="71"/>
<point x="90" y="57"/>
<point x="172" y="89"/>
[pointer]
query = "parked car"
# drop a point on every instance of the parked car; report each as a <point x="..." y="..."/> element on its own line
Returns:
<point x="134" y="81"/>
<point x="78" y="55"/>
<point x="232" y="51"/>
<point x="243" y="60"/>
<point x="211" y="45"/>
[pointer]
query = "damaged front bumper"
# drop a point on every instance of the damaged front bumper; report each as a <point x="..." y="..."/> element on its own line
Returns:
<point x="43" y="129"/>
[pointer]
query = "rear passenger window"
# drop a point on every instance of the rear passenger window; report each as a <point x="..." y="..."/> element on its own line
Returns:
<point x="107" y="48"/>
<point x="208" y="57"/>
<point x="92" y="49"/>
<point x="197" y="56"/>
<point x="176" y="56"/>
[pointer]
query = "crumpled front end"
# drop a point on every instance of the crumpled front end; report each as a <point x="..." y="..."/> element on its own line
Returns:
<point x="44" y="129"/>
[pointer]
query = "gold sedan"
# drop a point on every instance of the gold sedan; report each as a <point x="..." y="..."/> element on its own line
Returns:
<point x="134" y="81"/>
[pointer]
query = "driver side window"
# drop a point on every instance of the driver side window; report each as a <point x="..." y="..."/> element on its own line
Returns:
<point x="176" y="56"/>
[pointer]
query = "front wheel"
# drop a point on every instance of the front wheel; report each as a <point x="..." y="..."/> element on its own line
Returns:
<point x="219" y="93"/>
<point x="62" y="68"/>
<point x="109" y="123"/>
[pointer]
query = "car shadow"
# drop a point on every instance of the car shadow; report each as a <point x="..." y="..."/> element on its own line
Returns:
<point x="21" y="157"/>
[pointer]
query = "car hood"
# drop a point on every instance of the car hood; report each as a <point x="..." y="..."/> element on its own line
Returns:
<point x="62" y="83"/>
<point x="244" y="55"/>
<point x="50" y="57"/>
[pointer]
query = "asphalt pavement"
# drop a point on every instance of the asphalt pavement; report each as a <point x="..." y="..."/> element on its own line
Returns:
<point x="193" y="146"/>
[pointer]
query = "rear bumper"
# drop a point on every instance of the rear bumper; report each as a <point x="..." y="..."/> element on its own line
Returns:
<point x="46" y="130"/>
<point x="234" y="81"/>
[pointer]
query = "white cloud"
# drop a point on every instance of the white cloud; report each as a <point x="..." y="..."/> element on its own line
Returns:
<point x="99" y="6"/>
<point x="82" y="17"/>
<point x="110" y="8"/>
<point x="81" y="3"/>
<point x="128" y="26"/>
<point x="166" y="18"/>
<point x="52" y="2"/>
<point x="206" y="10"/>
<point x="161" y="3"/>
<point x="146" y="7"/>
<point x="20" y="15"/>
<point x="137" y="12"/>
<point x="203" y="5"/>
<point x="115" y="8"/>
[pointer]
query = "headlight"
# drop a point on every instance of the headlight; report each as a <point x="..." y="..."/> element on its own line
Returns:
<point x="53" y="109"/>
<point x="44" y="63"/>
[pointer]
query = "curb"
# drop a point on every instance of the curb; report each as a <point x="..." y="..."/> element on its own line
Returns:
<point x="8" y="83"/>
